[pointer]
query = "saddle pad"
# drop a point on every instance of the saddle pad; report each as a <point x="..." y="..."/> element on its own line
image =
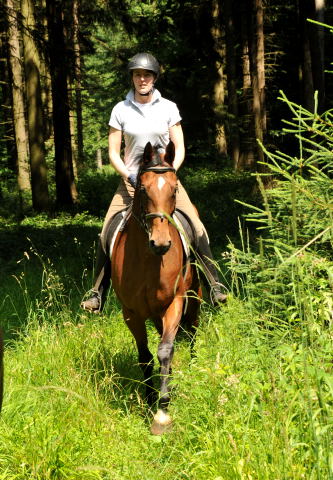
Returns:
<point x="182" y="224"/>
<point x="117" y="224"/>
<point x="185" y="230"/>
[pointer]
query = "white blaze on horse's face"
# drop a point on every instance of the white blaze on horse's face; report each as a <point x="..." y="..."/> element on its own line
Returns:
<point x="160" y="183"/>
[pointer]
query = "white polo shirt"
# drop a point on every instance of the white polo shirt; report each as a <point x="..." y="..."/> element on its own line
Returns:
<point x="143" y="123"/>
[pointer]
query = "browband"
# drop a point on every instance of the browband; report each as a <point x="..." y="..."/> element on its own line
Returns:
<point x="158" y="169"/>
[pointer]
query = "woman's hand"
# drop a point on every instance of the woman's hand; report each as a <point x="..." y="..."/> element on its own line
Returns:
<point x="132" y="179"/>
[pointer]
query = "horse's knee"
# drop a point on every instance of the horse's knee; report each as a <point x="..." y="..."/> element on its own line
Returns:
<point x="165" y="352"/>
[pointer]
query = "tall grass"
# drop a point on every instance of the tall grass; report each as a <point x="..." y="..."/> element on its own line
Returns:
<point x="254" y="402"/>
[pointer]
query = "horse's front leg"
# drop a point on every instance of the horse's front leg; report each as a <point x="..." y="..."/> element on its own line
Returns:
<point x="162" y="420"/>
<point x="137" y="326"/>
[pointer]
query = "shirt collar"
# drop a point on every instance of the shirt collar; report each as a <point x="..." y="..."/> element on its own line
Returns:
<point x="156" y="96"/>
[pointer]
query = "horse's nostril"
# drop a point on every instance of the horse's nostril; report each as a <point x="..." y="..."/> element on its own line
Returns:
<point x="159" y="249"/>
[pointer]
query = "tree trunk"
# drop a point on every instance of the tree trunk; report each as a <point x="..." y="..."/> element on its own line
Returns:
<point x="318" y="52"/>
<point x="65" y="186"/>
<point x="218" y="97"/>
<point x="306" y="66"/>
<point x="6" y="117"/>
<point x="46" y="82"/>
<point x="260" y="54"/>
<point x="78" y="84"/>
<point x="247" y="143"/>
<point x="258" y="75"/>
<point x="233" y="114"/>
<point x="40" y="193"/>
<point x="312" y="41"/>
<point x="72" y="124"/>
<point x="99" y="159"/>
<point x="23" y="171"/>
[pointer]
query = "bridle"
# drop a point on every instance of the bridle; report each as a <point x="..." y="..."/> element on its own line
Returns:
<point x="147" y="216"/>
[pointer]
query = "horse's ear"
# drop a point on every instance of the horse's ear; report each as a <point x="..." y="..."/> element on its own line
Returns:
<point x="147" y="154"/>
<point x="170" y="153"/>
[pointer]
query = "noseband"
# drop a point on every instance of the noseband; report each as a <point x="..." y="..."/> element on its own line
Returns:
<point x="147" y="216"/>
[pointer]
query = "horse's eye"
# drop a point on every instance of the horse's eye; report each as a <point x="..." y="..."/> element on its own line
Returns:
<point x="143" y="190"/>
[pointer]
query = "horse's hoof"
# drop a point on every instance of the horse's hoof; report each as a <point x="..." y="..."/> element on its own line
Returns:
<point x="162" y="423"/>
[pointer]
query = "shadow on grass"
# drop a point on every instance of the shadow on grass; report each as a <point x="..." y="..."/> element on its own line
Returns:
<point x="117" y="375"/>
<point x="41" y="263"/>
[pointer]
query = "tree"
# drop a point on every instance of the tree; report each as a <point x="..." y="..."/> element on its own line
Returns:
<point x="65" y="186"/>
<point x="77" y="79"/>
<point x="312" y="41"/>
<point x="8" y="153"/>
<point x="257" y="64"/>
<point x="21" y="138"/>
<point x="39" y="184"/>
<point x="231" y="70"/>
<point x="218" y="89"/>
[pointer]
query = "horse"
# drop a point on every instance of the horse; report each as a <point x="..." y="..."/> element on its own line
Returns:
<point x="151" y="275"/>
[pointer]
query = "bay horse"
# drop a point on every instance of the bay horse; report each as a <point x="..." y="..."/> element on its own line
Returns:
<point x="151" y="275"/>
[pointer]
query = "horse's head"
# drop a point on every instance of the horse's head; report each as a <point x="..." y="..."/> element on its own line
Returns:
<point x="157" y="188"/>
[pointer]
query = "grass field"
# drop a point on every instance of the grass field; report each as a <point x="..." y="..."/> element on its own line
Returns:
<point x="255" y="402"/>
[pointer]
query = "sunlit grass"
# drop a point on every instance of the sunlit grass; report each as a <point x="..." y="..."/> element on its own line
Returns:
<point x="251" y="404"/>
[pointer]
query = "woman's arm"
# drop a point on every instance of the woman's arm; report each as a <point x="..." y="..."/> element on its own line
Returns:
<point x="114" y="152"/>
<point x="176" y="135"/>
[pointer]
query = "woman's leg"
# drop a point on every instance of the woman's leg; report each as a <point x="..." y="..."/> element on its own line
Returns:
<point x="122" y="198"/>
<point x="205" y="256"/>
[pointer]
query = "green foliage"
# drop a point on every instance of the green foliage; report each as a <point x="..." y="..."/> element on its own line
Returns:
<point x="291" y="275"/>
<point x="105" y="84"/>
<point x="214" y="192"/>
<point x="96" y="190"/>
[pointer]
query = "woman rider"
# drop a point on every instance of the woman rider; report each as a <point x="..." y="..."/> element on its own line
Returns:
<point x="145" y="116"/>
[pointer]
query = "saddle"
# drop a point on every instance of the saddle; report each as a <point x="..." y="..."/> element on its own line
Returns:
<point x="181" y="220"/>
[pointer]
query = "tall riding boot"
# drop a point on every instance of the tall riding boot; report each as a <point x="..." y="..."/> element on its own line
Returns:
<point x="98" y="293"/>
<point x="210" y="275"/>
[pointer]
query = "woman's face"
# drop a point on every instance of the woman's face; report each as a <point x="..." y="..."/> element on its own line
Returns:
<point x="143" y="80"/>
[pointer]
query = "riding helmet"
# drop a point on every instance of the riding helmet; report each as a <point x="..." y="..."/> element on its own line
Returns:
<point x="145" y="61"/>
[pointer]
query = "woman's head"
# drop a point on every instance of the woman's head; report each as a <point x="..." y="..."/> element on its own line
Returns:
<point x="144" y="70"/>
<point x="144" y="61"/>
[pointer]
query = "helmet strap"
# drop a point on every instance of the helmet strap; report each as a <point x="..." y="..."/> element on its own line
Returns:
<point x="145" y="94"/>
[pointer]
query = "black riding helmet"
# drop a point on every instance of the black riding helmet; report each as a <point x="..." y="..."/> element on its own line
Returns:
<point x="145" y="61"/>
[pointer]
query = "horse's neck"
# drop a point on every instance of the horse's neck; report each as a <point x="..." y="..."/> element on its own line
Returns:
<point x="136" y="206"/>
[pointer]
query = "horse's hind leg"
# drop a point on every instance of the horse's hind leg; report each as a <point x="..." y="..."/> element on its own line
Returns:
<point x="138" y="329"/>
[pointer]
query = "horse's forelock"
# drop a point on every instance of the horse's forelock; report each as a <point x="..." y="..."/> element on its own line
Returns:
<point x="156" y="159"/>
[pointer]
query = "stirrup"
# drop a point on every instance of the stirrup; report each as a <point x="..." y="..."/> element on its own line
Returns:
<point x="215" y="291"/>
<point x="92" y="295"/>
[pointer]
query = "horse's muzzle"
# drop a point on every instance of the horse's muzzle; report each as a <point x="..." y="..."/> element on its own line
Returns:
<point x="159" y="249"/>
